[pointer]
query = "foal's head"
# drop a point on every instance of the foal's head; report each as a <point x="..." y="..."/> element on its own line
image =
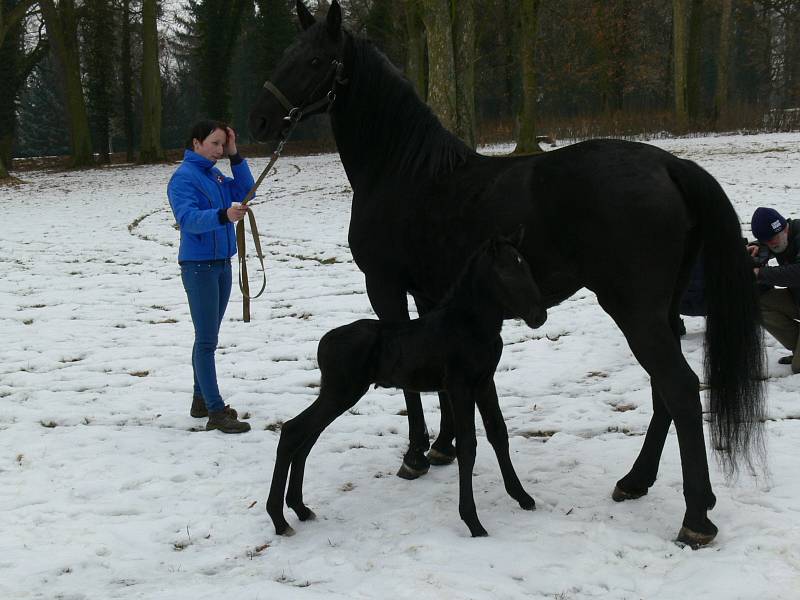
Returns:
<point x="507" y="278"/>
<point x="305" y="78"/>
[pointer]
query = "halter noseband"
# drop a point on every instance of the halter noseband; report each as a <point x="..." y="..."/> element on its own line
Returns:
<point x="296" y="113"/>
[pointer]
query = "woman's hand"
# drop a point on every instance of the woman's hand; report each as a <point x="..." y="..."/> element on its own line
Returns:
<point x="230" y="143"/>
<point x="236" y="212"/>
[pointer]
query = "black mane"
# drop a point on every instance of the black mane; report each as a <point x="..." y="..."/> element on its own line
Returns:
<point x="412" y="140"/>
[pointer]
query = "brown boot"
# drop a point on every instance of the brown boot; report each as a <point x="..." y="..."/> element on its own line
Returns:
<point x="199" y="410"/>
<point x="220" y="419"/>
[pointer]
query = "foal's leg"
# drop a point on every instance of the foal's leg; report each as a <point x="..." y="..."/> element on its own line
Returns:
<point x="298" y="436"/>
<point x="657" y="350"/>
<point x="463" y="405"/>
<point x="390" y="303"/>
<point x="497" y="434"/>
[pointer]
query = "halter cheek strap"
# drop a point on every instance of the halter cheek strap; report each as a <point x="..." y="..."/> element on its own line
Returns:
<point x="269" y="86"/>
<point x="296" y="113"/>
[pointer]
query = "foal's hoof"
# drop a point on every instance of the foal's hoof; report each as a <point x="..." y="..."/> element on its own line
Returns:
<point x="620" y="495"/>
<point x="478" y="531"/>
<point x="408" y="472"/>
<point x="285" y="531"/>
<point x="305" y="514"/>
<point x="527" y="503"/>
<point x="696" y="539"/>
<point x="439" y="458"/>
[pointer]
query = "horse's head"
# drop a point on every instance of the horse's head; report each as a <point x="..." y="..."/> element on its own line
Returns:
<point x="305" y="80"/>
<point x="512" y="284"/>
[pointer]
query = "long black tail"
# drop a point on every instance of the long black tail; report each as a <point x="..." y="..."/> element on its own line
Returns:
<point x="734" y="354"/>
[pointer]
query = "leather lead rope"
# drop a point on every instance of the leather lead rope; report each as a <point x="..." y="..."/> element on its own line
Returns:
<point x="293" y="118"/>
<point x="241" y="246"/>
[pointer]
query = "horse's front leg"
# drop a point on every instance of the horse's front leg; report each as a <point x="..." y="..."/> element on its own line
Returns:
<point x="442" y="452"/>
<point x="462" y="401"/>
<point x="390" y="303"/>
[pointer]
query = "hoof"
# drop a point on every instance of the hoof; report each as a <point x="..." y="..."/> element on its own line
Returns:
<point x="479" y="531"/>
<point x="284" y="530"/>
<point x="527" y="503"/>
<point x="407" y="472"/>
<point x="439" y="458"/>
<point x="695" y="539"/>
<point x="620" y="495"/>
<point x="306" y="515"/>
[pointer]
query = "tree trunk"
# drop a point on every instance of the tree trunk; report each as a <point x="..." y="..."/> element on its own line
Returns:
<point x="441" y="62"/>
<point x="63" y="35"/>
<point x="693" y="56"/>
<point x="151" y="150"/>
<point x="463" y="27"/>
<point x="679" y="10"/>
<point x="127" y="80"/>
<point x="723" y="64"/>
<point x="415" y="56"/>
<point x="529" y="17"/>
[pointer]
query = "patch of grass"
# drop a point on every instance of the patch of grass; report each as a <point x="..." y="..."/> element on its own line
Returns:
<point x="539" y="433"/>
<point x="27" y="322"/>
<point x="49" y="424"/>
<point x="276" y="426"/>
<point x="139" y="373"/>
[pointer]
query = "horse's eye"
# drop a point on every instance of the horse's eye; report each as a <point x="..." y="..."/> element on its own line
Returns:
<point x="519" y="259"/>
<point x="315" y="62"/>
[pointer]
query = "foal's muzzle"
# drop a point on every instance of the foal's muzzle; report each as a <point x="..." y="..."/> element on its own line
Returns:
<point x="535" y="318"/>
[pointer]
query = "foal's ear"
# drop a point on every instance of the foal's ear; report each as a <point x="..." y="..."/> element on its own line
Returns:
<point x="306" y="18"/>
<point x="334" y="20"/>
<point x="516" y="237"/>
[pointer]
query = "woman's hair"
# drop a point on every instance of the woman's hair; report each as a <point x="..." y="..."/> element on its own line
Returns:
<point x="202" y="129"/>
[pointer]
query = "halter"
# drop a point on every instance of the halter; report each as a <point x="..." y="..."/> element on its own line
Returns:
<point x="296" y="113"/>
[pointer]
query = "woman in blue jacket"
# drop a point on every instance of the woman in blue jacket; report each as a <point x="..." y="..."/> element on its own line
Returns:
<point x="202" y="200"/>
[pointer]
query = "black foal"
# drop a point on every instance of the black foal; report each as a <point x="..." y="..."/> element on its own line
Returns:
<point x="454" y="348"/>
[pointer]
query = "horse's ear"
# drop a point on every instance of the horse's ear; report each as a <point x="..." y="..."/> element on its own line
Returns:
<point x="516" y="237"/>
<point x="306" y="18"/>
<point x="334" y="20"/>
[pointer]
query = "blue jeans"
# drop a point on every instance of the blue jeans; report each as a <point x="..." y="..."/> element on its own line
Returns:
<point x="208" y="288"/>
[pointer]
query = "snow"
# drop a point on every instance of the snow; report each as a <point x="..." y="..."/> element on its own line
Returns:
<point x="111" y="490"/>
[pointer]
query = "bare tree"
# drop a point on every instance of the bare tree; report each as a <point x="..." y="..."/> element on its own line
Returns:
<point x="723" y="63"/>
<point x="62" y="33"/>
<point x="679" y="14"/>
<point x="151" y="150"/>
<point x="529" y="17"/>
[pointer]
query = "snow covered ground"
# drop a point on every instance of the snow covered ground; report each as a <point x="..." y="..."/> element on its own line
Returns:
<point x="109" y="489"/>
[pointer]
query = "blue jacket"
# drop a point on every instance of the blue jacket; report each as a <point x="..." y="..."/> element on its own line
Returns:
<point x="199" y="195"/>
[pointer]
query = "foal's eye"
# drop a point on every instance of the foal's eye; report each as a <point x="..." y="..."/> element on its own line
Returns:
<point x="519" y="260"/>
<point x="315" y="62"/>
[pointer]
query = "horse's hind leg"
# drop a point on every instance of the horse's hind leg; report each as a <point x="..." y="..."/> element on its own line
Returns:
<point x="644" y="471"/>
<point x="497" y="434"/>
<point x="330" y="407"/>
<point x="298" y="437"/>
<point x="658" y="351"/>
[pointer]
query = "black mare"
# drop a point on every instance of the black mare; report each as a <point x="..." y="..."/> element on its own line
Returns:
<point x="454" y="348"/>
<point x="625" y="220"/>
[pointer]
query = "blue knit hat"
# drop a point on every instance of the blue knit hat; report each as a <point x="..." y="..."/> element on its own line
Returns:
<point x="766" y="223"/>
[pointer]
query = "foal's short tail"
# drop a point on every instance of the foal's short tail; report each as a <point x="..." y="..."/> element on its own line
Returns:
<point x="734" y="355"/>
